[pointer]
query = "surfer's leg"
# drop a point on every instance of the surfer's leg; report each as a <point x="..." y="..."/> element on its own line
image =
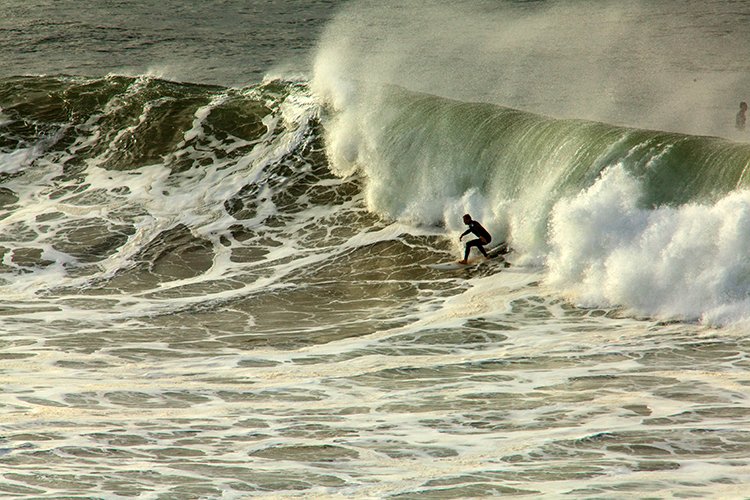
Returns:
<point x="473" y="243"/>
<point x="480" y="243"/>
<point x="484" y="252"/>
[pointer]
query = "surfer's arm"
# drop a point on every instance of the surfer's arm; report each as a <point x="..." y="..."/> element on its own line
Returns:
<point x="465" y="233"/>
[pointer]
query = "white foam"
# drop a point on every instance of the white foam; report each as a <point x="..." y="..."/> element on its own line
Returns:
<point x="687" y="262"/>
<point x="14" y="161"/>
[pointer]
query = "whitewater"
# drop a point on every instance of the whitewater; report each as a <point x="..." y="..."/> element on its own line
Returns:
<point x="218" y="252"/>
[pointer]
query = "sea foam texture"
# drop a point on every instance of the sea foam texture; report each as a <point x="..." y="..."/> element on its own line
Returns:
<point x="684" y="262"/>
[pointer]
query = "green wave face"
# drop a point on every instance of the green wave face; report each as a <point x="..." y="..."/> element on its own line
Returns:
<point x="427" y="158"/>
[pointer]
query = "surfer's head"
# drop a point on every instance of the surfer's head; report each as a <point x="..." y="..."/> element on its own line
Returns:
<point x="467" y="219"/>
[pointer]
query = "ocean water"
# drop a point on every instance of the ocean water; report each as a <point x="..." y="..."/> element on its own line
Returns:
<point x="220" y="223"/>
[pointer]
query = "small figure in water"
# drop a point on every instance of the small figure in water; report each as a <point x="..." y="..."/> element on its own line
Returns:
<point x="741" y="118"/>
<point x="483" y="238"/>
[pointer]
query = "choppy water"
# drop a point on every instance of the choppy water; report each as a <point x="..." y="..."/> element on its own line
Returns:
<point x="219" y="285"/>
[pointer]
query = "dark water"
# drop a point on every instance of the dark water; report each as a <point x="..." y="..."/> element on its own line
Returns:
<point x="229" y="42"/>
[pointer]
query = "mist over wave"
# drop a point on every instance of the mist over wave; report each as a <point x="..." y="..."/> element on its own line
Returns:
<point x="669" y="66"/>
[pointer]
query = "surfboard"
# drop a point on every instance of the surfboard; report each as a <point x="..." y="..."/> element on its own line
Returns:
<point x="449" y="266"/>
<point x="496" y="254"/>
<point x="476" y="262"/>
<point x="498" y="251"/>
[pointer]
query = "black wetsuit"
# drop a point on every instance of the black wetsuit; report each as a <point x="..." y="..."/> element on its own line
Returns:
<point x="483" y="238"/>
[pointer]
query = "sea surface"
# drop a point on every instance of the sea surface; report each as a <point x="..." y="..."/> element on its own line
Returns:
<point x="220" y="223"/>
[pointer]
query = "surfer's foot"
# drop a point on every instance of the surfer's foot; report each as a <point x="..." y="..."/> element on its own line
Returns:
<point x="463" y="261"/>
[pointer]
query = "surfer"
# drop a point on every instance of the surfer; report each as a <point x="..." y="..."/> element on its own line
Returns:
<point x="483" y="238"/>
<point x="741" y="118"/>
